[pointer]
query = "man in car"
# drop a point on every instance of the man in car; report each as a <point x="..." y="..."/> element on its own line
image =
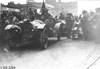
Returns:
<point x="45" y="14"/>
<point x="37" y="16"/>
<point x="31" y="14"/>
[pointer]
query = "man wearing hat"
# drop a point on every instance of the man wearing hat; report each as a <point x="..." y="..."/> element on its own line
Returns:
<point x="85" y="24"/>
<point x="69" y="24"/>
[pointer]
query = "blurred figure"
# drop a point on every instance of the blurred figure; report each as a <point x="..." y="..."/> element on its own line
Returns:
<point x="31" y="14"/>
<point x="91" y="17"/>
<point x="45" y="15"/>
<point x="56" y="19"/>
<point x="85" y="24"/>
<point x="97" y="21"/>
<point x="37" y="16"/>
<point x="76" y="18"/>
<point x="97" y="16"/>
<point x="69" y="24"/>
<point x="61" y="17"/>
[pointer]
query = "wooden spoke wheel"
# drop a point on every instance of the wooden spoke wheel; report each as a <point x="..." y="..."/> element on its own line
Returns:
<point x="43" y="39"/>
<point x="12" y="43"/>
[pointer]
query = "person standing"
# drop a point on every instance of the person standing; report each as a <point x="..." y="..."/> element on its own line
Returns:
<point x="97" y="21"/>
<point x="69" y="24"/>
<point x="85" y="24"/>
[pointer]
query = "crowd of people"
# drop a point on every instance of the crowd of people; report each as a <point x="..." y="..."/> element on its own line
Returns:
<point x="90" y="23"/>
<point x="12" y="17"/>
<point x="17" y="16"/>
<point x="87" y="20"/>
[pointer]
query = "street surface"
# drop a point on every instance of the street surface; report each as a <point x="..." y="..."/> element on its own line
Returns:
<point x="96" y="65"/>
<point x="64" y="54"/>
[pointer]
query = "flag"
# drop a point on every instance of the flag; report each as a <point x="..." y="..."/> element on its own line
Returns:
<point x="43" y="8"/>
<point x="43" y="5"/>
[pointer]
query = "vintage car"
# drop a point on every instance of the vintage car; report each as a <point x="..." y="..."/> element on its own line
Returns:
<point x="32" y="31"/>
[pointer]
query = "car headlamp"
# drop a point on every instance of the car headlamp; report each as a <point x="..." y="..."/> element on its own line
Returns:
<point x="16" y="30"/>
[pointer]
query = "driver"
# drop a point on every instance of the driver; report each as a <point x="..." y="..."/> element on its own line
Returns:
<point x="45" y="15"/>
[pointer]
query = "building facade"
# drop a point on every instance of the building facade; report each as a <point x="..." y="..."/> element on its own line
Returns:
<point x="59" y="7"/>
<point x="64" y="7"/>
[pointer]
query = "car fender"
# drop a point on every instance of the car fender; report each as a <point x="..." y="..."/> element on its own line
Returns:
<point x="57" y="26"/>
<point x="10" y="26"/>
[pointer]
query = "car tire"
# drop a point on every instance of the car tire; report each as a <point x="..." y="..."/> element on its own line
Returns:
<point x="43" y="39"/>
<point x="12" y="43"/>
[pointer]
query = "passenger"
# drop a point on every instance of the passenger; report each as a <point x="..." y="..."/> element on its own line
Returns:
<point x="45" y="14"/>
<point x="31" y="15"/>
<point x="37" y="16"/>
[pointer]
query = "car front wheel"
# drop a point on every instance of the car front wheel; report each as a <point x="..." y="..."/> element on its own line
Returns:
<point x="12" y="43"/>
<point x="43" y="39"/>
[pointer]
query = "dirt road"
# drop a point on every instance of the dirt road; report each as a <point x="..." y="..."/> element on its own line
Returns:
<point x="64" y="54"/>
